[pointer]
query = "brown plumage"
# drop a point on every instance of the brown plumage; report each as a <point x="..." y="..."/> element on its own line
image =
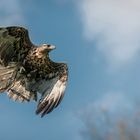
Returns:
<point x="26" y="70"/>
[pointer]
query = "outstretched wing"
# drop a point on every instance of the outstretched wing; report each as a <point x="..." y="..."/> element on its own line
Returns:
<point x="52" y="93"/>
<point x="14" y="44"/>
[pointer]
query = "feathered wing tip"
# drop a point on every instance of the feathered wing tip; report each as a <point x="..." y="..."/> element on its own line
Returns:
<point x="52" y="99"/>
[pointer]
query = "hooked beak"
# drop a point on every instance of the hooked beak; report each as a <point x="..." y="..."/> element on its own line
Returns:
<point x="51" y="47"/>
<point x="48" y="47"/>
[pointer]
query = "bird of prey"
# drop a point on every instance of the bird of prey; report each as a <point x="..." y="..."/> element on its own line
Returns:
<point x="26" y="70"/>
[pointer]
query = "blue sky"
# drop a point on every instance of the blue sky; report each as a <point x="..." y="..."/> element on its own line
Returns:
<point x="99" y="39"/>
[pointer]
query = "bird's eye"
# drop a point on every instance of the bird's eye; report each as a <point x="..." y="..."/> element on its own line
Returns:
<point x="49" y="45"/>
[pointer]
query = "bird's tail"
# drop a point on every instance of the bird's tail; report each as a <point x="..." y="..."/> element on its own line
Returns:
<point x="18" y="92"/>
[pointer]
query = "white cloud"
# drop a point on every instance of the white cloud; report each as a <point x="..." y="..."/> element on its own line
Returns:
<point x="115" y="25"/>
<point x="10" y="13"/>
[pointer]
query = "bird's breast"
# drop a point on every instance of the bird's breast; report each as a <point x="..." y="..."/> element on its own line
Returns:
<point x="42" y="66"/>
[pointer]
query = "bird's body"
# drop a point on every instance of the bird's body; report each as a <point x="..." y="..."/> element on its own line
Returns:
<point x="26" y="70"/>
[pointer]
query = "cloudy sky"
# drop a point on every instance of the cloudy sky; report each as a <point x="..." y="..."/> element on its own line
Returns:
<point x="100" y="41"/>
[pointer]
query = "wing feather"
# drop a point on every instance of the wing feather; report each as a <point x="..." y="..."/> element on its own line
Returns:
<point x="16" y="84"/>
<point x="7" y="76"/>
<point x="52" y="96"/>
<point x="14" y="44"/>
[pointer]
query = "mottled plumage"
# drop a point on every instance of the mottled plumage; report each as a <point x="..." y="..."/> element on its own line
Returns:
<point x="26" y="70"/>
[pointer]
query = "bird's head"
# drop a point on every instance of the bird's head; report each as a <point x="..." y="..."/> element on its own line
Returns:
<point x="47" y="47"/>
<point x="44" y="49"/>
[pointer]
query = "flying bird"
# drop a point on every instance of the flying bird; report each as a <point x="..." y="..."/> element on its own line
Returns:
<point x="26" y="70"/>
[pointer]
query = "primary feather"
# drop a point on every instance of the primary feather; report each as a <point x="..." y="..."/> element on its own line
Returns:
<point x="26" y="70"/>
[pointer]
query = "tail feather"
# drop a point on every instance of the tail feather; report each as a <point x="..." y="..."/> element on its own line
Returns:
<point x="18" y="92"/>
<point x="12" y="94"/>
<point x="15" y="84"/>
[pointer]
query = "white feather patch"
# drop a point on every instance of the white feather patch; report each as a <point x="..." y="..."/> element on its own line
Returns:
<point x="52" y="96"/>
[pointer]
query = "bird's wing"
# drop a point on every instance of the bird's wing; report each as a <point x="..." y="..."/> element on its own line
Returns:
<point x="15" y="83"/>
<point x="14" y="44"/>
<point x="52" y="93"/>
